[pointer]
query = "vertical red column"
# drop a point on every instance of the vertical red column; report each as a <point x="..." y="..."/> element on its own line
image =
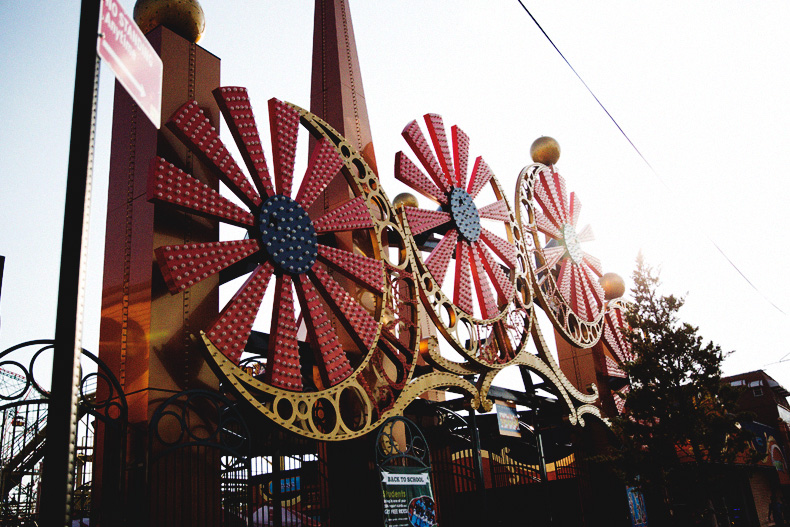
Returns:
<point x="336" y="94"/>
<point x="145" y="336"/>
<point x="337" y="97"/>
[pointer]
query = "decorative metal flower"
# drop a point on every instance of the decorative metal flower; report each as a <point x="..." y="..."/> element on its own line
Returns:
<point x="564" y="275"/>
<point x="293" y="244"/>
<point x="578" y="271"/>
<point x="471" y="236"/>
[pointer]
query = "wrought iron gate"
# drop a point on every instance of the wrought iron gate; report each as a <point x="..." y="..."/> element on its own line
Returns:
<point x="24" y="404"/>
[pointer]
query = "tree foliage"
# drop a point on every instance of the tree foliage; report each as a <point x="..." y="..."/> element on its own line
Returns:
<point x="679" y="419"/>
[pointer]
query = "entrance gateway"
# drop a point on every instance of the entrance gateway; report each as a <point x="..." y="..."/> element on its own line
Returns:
<point x="353" y="317"/>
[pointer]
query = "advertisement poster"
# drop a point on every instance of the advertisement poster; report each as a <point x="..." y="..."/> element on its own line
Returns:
<point x="408" y="499"/>
<point x="507" y="417"/>
<point x="636" y="502"/>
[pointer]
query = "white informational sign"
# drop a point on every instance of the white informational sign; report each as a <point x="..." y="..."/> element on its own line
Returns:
<point x="134" y="61"/>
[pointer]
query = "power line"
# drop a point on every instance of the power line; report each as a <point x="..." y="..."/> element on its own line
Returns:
<point x="653" y="170"/>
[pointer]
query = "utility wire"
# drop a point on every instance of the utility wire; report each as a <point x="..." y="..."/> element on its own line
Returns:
<point x="653" y="170"/>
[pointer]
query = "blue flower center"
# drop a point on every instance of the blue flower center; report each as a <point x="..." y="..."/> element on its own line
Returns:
<point x="287" y="235"/>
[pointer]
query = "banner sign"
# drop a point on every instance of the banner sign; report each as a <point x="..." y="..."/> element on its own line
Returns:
<point x="408" y="499"/>
<point x="507" y="417"/>
<point x="134" y="61"/>
<point x="636" y="504"/>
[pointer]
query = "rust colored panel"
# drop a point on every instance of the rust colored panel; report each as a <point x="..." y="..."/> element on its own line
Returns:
<point x="336" y="93"/>
<point x="145" y="330"/>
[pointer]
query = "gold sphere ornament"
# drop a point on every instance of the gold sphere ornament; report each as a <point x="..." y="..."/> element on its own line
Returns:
<point x="405" y="199"/>
<point x="184" y="17"/>
<point x="613" y="285"/>
<point x="545" y="150"/>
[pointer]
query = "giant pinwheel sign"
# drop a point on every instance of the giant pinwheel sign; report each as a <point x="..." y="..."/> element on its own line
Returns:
<point x="340" y="332"/>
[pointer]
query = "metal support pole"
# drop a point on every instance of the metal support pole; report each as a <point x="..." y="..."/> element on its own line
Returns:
<point x="544" y="473"/>
<point x="477" y="463"/>
<point x="57" y="482"/>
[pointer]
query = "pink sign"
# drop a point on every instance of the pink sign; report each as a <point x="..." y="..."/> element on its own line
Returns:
<point x="136" y="65"/>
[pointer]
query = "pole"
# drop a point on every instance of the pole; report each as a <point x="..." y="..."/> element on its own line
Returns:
<point x="544" y="473"/>
<point x="477" y="464"/>
<point x="57" y="482"/>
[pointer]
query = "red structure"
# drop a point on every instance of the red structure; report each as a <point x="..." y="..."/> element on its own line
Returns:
<point x="354" y="308"/>
<point x="145" y="331"/>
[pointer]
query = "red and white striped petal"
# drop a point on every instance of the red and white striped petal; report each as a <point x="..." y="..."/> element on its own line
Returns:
<point x="460" y="155"/>
<point x="502" y="284"/>
<point x="361" y="269"/>
<point x="496" y="211"/>
<point x="586" y="235"/>
<point x="284" y="123"/>
<point x="462" y="293"/>
<point x="481" y="174"/>
<point x="553" y="255"/>
<point x="439" y="260"/>
<point x="234" y="103"/>
<point x="502" y="248"/>
<point x="192" y="126"/>
<point x="183" y="266"/>
<point x="353" y="214"/>
<point x="324" y="165"/>
<point x="168" y="184"/>
<point x="283" y="366"/>
<point x="485" y="297"/>
<point x="331" y="358"/>
<point x="357" y="321"/>
<point x="232" y="328"/>
<point x="408" y="173"/>
<point x="421" y="220"/>
<point x="575" y="209"/>
<point x="441" y="146"/>
<point x="419" y="145"/>
<point x="551" y="207"/>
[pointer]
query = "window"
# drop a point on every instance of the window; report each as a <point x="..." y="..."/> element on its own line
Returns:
<point x="738" y="383"/>
<point x="757" y="391"/>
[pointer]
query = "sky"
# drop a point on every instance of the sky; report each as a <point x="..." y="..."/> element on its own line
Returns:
<point x="700" y="87"/>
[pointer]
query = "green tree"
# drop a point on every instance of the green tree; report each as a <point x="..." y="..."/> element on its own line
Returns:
<point x="679" y="424"/>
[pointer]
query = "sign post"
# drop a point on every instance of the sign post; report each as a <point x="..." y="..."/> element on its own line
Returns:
<point x="57" y="483"/>
<point x="139" y="69"/>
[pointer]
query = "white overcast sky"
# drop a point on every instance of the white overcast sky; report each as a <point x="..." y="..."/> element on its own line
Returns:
<point x="701" y="87"/>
